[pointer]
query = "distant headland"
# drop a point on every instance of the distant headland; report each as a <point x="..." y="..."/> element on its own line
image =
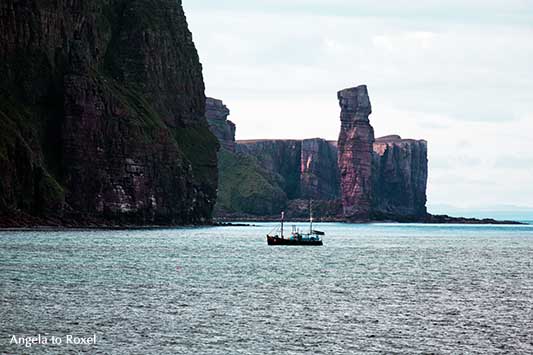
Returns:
<point x="358" y="178"/>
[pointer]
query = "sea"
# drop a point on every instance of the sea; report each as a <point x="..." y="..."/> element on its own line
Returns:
<point x="371" y="289"/>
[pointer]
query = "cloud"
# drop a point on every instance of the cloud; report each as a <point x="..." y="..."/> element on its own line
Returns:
<point x="451" y="11"/>
<point x="417" y="40"/>
<point x="465" y="72"/>
<point x="515" y="162"/>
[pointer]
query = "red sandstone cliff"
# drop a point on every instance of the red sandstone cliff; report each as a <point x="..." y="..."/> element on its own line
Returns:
<point x="102" y="114"/>
<point x="319" y="173"/>
<point x="400" y="172"/>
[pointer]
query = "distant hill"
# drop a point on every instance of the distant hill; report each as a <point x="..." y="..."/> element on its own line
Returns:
<point x="504" y="212"/>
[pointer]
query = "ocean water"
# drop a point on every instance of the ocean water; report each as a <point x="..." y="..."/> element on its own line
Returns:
<point x="371" y="289"/>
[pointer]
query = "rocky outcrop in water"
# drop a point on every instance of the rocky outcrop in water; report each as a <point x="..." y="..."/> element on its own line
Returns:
<point x="217" y="116"/>
<point x="102" y="114"/>
<point x="400" y="172"/>
<point x="355" y="147"/>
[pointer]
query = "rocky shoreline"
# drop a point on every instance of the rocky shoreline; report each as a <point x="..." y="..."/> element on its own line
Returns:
<point x="429" y="219"/>
<point x="23" y="221"/>
<point x="30" y="223"/>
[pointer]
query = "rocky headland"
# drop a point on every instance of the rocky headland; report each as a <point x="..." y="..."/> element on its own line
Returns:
<point x="358" y="178"/>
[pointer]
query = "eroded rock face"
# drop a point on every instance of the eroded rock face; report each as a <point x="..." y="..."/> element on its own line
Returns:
<point x="104" y="105"/>
<point x="319" y="173"/>
<point x="400" y="172"/>
<point x="280" y="157"/>
<point x="355" y="149"/>
<point x="217" y="116"/>
<point x="308" y="167"/>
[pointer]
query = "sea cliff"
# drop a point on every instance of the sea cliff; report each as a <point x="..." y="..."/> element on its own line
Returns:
<point x="357" y="178"/>
<point x="400" y="173"/>
<point x="102" y="115"/>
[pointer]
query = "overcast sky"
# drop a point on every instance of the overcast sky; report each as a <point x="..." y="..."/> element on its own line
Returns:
<point x="457" y="73"/>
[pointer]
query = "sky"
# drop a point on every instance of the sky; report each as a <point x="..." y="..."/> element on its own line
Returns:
<point x="457" y="73"/>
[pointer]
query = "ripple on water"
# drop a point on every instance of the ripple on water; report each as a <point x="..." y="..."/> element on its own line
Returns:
<point x="370" y="289"/>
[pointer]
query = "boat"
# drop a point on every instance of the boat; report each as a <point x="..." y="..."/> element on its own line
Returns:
<point x="296" y="237"/>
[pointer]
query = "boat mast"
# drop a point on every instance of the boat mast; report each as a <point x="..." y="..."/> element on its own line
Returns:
<point x="282" y="218"/>
<point x="310" y="216"/>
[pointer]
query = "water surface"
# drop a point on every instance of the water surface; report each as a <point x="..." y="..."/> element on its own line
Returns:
<point x="382" y="288"/>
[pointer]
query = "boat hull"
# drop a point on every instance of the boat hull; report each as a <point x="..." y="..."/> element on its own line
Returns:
<point x="282" y="241"/>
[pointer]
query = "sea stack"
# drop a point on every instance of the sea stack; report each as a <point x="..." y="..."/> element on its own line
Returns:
<point x="355" y="150"/>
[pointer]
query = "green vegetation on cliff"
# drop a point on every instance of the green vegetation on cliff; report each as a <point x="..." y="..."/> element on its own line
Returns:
<point x="245" y="186"/>
<point x="197" y="144"/>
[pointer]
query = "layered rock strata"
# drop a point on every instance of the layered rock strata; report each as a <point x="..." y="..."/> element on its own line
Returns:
<point x="357" y="178"/>
<point x="102" y="114"/>
<point x="319" y="173"/>
<point x="282" y="157"/>
<point x="217" y="116"/>
<point x="308" y="167"/>
<point x="400" y="172"/>
<point x="355" y="149"/>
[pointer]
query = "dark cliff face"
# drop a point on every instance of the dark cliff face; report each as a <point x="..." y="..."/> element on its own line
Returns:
<point x="319" y="179"/>
<point x="399" y="177"/>
<point x="102" y="113"/>
<point x="217" y="116"/>
<point x="281" y="157"/>
<point x="308" y="167"/>
<point x="259" y="178"/>
<point x="355" y="147"/>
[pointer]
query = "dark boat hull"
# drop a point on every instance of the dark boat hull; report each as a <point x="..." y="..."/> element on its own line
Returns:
<point x="281" y="241"/>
